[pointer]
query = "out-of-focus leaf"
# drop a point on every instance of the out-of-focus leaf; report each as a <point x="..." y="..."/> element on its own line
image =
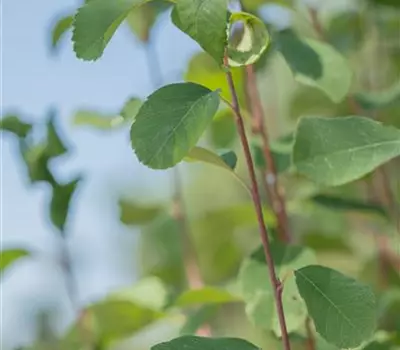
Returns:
<point x="176" y="125"/>
<point x="343" y="310"/>
<point x="371" y="273"/>
<point x="223" y="129"/>
<point x="254" y="5"/>
<point x="135" y="214"/>
<point x="203" y="70"/>
<point x="95" y="24"/>
<point x="345" y="31"/>
<point x="15" y="125"/>
<point x="206" y="295"/>
<point x="61" y="202"/>
<point x="112" y="320"/>
<point x="204" y="22"/>
<point x="60" y="29"/>
<point x="322" y="242"/>
<point x="315" y="64"/>
<point x="377" y="100"/>
<point x="149" y="292"/>
<point x="197" y="318"/>
<point x="141" y="19"/>
<point x="282" y="160"/>
<point x="10" y="256"/>
<point x="348" y="204"/>
<point x="334" y="151"/>
<point x="391" y="3"/>
<point x="160" y="251"/>
<point x="202" y="343"/>
<point x="55" y="146"/>
<point x="258" y="291"/>
<point x="36" y="160"/>
<point x="389" y="310"/>
<point x="312" y="101"/>
<point x="253" y="42"/>
<point x="105" y="122"/>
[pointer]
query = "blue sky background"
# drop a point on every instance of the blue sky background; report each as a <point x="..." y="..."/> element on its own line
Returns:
<point x="33" y="81"/>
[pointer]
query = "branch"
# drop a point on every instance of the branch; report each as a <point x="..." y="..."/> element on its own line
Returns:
<point x="258" y="208"/>
<point x="270" y="175"/>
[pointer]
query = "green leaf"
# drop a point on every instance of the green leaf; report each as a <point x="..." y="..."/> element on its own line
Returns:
<point x="201" y="343"/>
<point x="118" y="319"/>
<point x="149" y="292"/>
<point x="206" y="22"/>
<point x="61" y="202"/>
<point x="132" y="213"/>
<point x="10" y="256"/>
<point x="106" y="122"/>
<point x="197" y="318"/>
<point x="96" y="22"/>
<point x="282" y="160"/>
<point x="36" y="160"/>
<point x="226" y="161"/>
<point x="15" y="125"/>
<point x="348" y="204"/>
<point x="258" y="292"/>
<point x="206" y="295"/>
<point x="203" y="70"/>
<point x="55" y="146"/>
<point x="176" y="116"/>
<point x="141" y="19"/>
<point x="223" y="129"/>
<point x="340" y="150"/>
<point x="378" y="100"/>
<point x="344" y="310"/>
<point x="254" y="5"/>
<point x="316" y="64"/>
<point x="345" y="31"/>
<point x="253" y="42"/>
<point x="60" y="29"/>
<point x="391" y="3"/>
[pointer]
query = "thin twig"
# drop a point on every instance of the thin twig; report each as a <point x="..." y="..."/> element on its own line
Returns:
<point x="275" y="282"/>
<point x="310" y="335"/>
<point x="72" y="292"/>
<point x="192" y="270"/>
<point x="270" y="175"/>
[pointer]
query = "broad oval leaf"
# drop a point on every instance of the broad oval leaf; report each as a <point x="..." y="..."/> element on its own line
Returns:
<point x="334" y="151"/>
<point x="202" y="343"/>
<point x="9" y="256"/>
<point x="206" y="22"/>
<point x="171" y="122"/>
<point x="258" y="292"/>
<point x="316" y="64"/>
<point x="344" y="311"/>
<point x="96" y="22"/>
<point x="382" y="99"/>
<point x="60" y="29"/>
<point x="206" y="295"/>
<point x="253" y="42"/>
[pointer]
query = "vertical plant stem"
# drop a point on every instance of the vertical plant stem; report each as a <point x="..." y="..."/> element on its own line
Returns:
<point x="310" y="335"/>
<point x="275" y="282"/>
<point x="270" y="175"/>
<point x="72" y="292"/>
<point x="192" y="270"/>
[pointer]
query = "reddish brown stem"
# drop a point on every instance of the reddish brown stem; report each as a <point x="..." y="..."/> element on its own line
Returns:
<point x="270" y="175"/>
<point x="275" y="282"/>
<point x="316" y="23"/>
<point x="192" y="270"/>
